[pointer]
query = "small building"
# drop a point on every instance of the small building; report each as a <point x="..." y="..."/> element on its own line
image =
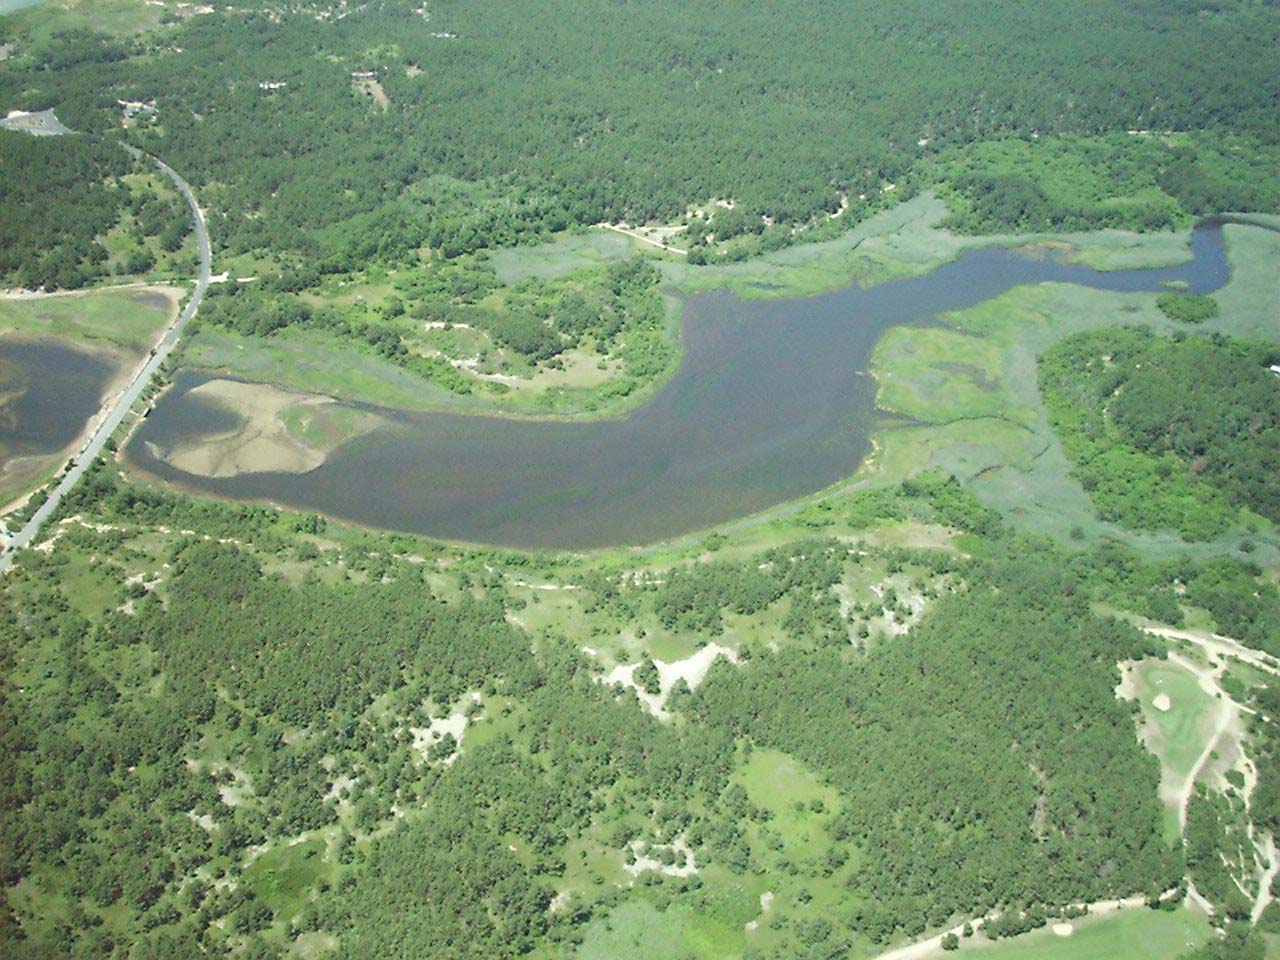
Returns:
<point x="132" y="109"/>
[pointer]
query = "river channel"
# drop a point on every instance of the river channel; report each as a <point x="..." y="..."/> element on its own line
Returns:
<point x="772" y="401"/>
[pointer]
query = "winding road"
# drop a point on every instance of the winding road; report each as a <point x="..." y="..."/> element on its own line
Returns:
<point x="119" y="409"/>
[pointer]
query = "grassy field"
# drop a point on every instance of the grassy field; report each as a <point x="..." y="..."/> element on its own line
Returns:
<point x="122" y="321"/>
<point x="926" y="372"/>
<point x="119" y="17"/>
<point x="284" y="876"/>
<point x="1131" y="935"/>
<point x="315" y="364"/>
<point x="634" y="931"/>
<point x="562" y="255"/>
<point x="1179" y="731"/>
<point x="1250" y="305"/>
<point x="1176" y="736"/>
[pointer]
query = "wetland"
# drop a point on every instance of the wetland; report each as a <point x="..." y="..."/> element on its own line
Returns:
<point x="772" y="401"/>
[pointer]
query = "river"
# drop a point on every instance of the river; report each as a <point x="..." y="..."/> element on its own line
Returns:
<point x="773" y="401"/>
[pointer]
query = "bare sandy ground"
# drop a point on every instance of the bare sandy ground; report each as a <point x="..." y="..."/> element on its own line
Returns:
<point x="692" y="670"/>
<point x="262" y="440"/>
<point x="454" y="724"/>
<point x="686" y="867"/>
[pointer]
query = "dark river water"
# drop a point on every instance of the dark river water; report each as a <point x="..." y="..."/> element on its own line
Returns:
<point x="773" y="401"/>
<point x="48" y="392"/>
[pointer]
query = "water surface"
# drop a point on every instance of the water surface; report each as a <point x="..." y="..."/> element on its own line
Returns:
<point x="773" y="401"/>
<point x="48" y="392"/>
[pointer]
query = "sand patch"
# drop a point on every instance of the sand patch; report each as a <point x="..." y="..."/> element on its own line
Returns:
<point x="682" y="865"/>
<point x="692" y="670"/>
<point x="369" y="87"/>
<point x="1063" y="929"/>
<point x="766" y="901"/>
<point x="340" y="783"/>
<point x="277" y="431"/>
<point x="895" y="619"/>
<point x="453" y="725"/>
<point x="235" y="793"/>
<point x="1162" y="702"/>
<point x="1127" y="688"/>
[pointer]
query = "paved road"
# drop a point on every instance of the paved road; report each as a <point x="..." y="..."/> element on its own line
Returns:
<point x="120" y="409"/>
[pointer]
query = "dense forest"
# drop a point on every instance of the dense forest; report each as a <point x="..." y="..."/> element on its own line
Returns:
<point x="497" y="123"/>
<point x="58" y="195"/>
<point x="1128" y="179"/>
<point x="1019" y="760"/>
<point x="232" y="755"/>
<point x="1168" y="433"/>
<point x="59" y="199"/>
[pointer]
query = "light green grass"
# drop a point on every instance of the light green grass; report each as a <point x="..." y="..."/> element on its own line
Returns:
<point x="1180" y="733"/>
<point x="1176" y="736"/>
<point x="325" y="427"/>
<point x="112" y="319"/>
<point x="801" y="804"/>
<point x="314" y="364"/>
<point x="938" y="375"/>
<point x="965" y="448"/>
<point x="560" y="256"/>
<point x="1250" y="303"/>
<point x="284" y="876"/>
<point x="635" y="930"/>
<point x="1137" y="934"/>
<point x="118" y="17"/>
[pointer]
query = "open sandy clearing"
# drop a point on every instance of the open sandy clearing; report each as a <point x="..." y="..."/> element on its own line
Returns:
<point x="453" y="724"/>
<point x="692" y="670"/>
<point x="684" y="865"/>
